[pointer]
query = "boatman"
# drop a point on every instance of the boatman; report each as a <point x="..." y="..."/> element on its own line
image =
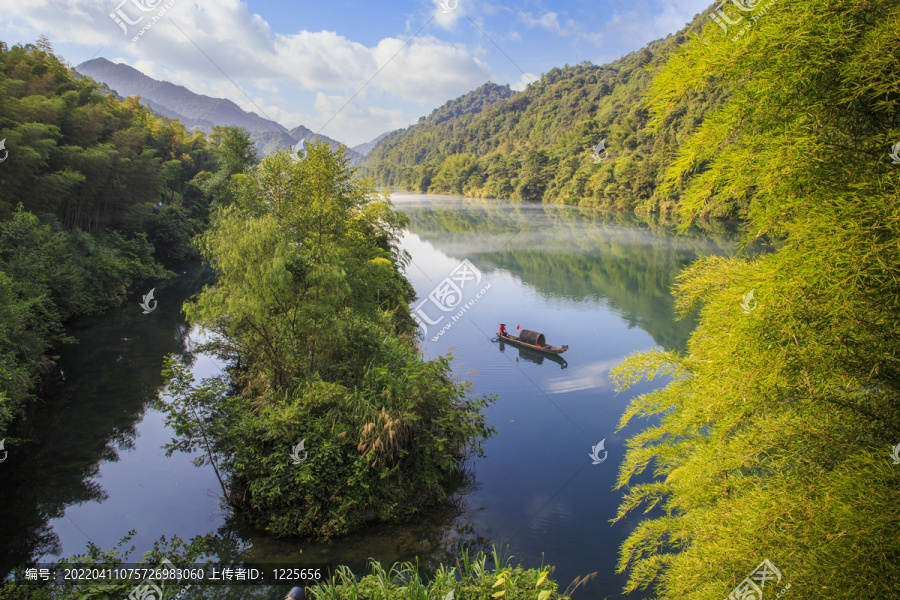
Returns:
<point x="503" y="330"/>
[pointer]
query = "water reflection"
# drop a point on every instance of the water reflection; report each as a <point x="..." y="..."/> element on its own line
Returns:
<point x="575" y="255"/>
<point x="89" y="418"/>
<point x="436" y="537"/>
<point x="533" y="356"/>
<point x="593" y="376"/>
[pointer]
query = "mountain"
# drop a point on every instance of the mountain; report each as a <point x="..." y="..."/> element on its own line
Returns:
<point x="537" y="144"/>
<point x="469" y="104"/>
<point x="367" y="147"/>
<point x="304" y="133"/>
<point x="128" y="81"/>
<point x="197" y="111"/>
<point x="189" y="123"/>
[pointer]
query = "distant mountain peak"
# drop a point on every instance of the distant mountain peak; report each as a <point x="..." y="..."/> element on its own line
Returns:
<point x="128" y="81"/>
<point x="197" y="111"/>
<point x="368" y="146"/>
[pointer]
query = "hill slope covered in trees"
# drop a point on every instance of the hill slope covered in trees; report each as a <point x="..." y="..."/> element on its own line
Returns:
<point x="537" y="144"/>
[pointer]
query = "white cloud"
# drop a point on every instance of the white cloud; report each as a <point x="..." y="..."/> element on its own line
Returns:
<point x="221" y="48"/>
<point x="647" y="21"/>
<point x="427" y="70"/>
<point x="595" y="38"/>
<point x="586" y="377"/>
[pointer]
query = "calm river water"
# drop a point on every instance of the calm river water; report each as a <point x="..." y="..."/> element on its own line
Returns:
<point x="92" y="468"/>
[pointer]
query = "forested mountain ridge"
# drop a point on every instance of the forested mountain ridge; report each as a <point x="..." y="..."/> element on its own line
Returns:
<point x="305" y="133"/>
<point x="394" y="144"/>
<point x="366" y="147"/>
<point x="537" y="144"/>
<point x="468" y="104"/>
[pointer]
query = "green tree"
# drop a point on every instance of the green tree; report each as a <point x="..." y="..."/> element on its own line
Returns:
<point x="299" y="242"/>
<point x="311" y="308"/>
<point x="237" y="153"/>
<point x="454" y="174"/>
<point x="775" y="431"/>
<point x="536" y="144"/>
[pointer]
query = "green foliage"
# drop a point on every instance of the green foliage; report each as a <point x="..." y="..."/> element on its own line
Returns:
<point x="302" y="263"/>
<point x="470" y="579"/>
<point x="96" y="163"/>
<point x="469" y="104"/>
<point x="458" y="174"/>
<point x="381" y="451"/>
<point x="776" y="419"/>
<point x="49" y="276"/>
<point x="236" y="155"/>
<point x="536" y="144"/>
<point x="235" y="148"/>
<point x="93" y="192"/>
<point x="311" y="308"/>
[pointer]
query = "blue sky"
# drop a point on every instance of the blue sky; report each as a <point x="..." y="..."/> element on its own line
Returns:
<point x="301" y="62"/>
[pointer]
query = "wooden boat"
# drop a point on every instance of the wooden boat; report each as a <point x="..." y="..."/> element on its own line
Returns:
<point x="533" y="340"/>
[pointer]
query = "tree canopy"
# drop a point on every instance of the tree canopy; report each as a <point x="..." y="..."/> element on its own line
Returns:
<point x="311" y="309"/>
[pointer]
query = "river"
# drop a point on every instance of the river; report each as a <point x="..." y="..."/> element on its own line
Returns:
<point x="92" y="468"/>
